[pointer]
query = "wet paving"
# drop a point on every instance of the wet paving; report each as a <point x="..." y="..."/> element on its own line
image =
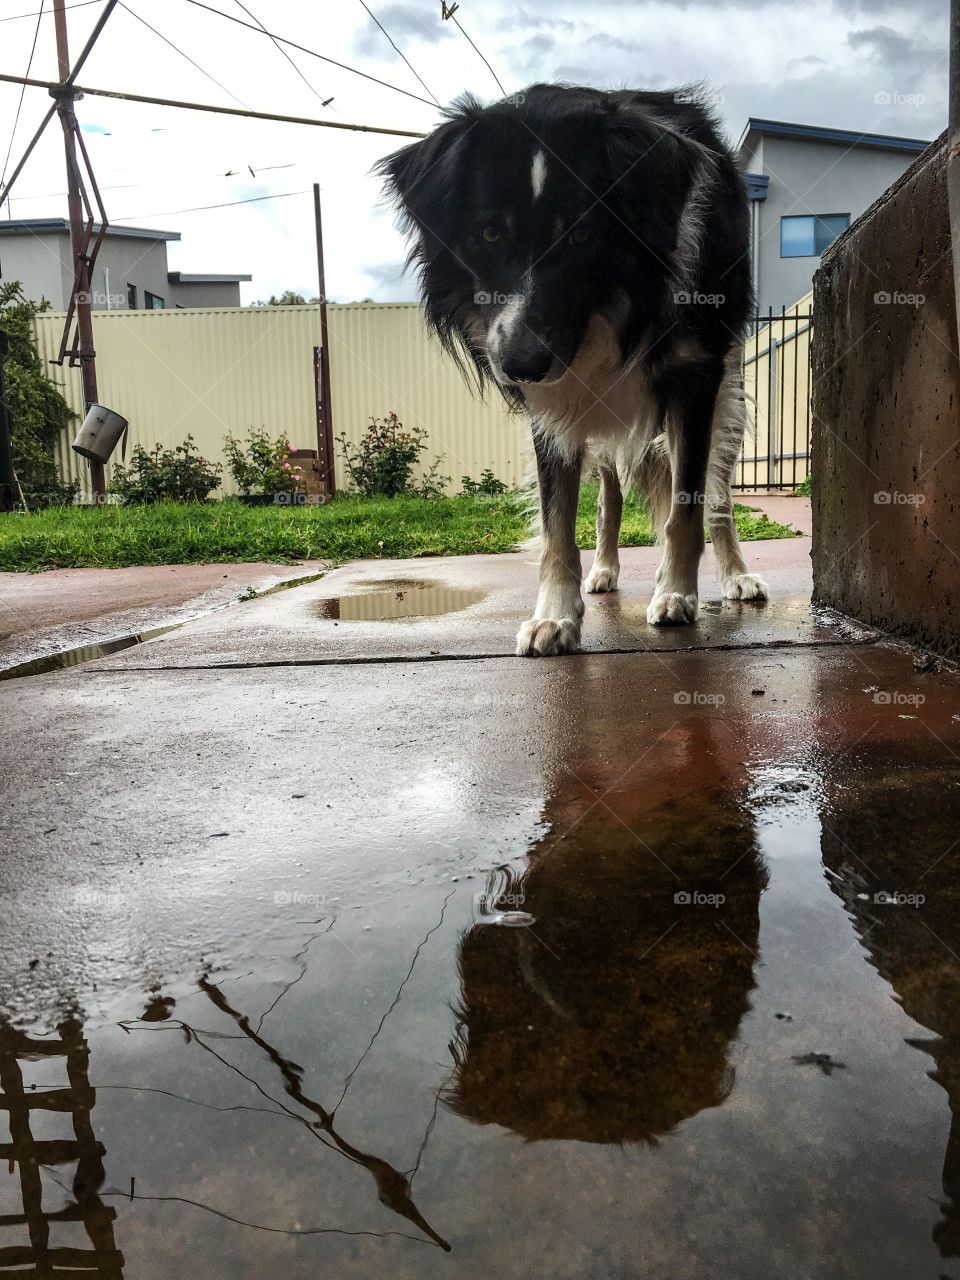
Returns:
<point x="638" y="964"/>
<point x="79" y="654"/>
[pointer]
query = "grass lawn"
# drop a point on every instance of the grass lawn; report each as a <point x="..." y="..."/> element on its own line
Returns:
<point x="347" y="528"/>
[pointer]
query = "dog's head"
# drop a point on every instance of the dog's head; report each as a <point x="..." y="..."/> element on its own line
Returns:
<point x="531" y="216"/>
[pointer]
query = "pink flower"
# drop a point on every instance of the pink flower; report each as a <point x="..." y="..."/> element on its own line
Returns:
<point x="286" y="466"/>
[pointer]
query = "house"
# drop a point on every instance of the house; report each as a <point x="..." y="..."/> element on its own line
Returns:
<point x="806" y="185"/>
<point x="131" y="270"/>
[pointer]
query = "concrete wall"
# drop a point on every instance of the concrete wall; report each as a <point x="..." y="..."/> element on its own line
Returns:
<point x="130" y="261"/>
<point x="41" y="263"/>
<point x="811" y="177"/>
<point x="886" y="391"/>
<point x="219" y="294"/>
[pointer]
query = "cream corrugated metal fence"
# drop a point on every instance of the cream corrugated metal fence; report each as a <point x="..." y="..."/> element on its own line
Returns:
<point x="205" y="372"/>
<point x="209" y="371"/>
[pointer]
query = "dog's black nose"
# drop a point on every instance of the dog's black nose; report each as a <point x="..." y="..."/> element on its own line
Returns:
<point x="527" y="363"/>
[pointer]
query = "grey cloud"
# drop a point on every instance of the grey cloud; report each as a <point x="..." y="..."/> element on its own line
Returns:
<point x="405" y="22"/>
<point x="520" y="18"/>
<point x="605" y="41"/>
<point x="889" y="46"/>
<point x="538" y="44"/>
<point x="811" y="60"/>
<point x="934" y="9"/>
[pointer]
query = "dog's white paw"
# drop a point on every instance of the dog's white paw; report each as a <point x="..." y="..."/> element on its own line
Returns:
<point x="744" y="586"/>
<point x="602" y="578"/>
<point x="544" y="638"/>
<point x="672" y="609"/>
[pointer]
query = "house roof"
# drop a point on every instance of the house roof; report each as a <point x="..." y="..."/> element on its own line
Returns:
<point x="181" y="277"/>
<point x="47" y="226"/>
<point x="843" y="137"/>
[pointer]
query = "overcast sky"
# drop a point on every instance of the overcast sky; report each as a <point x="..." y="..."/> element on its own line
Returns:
<point x="820" y="62"/>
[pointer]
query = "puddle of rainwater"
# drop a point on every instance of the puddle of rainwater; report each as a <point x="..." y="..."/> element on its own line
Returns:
<point x="707" y="1052"/>
<point x="399" y="600"/>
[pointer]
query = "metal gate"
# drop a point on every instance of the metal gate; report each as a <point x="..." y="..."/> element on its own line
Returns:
<point x="776" y="376"/>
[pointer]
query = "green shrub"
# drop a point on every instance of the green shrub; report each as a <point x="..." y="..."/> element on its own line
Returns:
<point x="488" y="486"/>
<point x="179" y="474"/>
<point x="382" y="464"/>
<point x="805" y="488"/>
<point x="38" y="410"/>
<point x="261" y="464"/>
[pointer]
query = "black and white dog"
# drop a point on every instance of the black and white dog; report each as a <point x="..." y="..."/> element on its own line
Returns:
<point x="588" y="251"/>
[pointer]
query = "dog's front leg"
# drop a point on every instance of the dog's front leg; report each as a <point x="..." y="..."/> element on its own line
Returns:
<point x="555" y="625"/>
<point x="689" y="421"/>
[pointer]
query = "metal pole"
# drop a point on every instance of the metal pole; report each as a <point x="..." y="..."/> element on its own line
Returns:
<point x="88" y="365"/>
<point x="7" y="478"/>
<point x="32" y="83"/>
<point x="324" y="435"/>
<point x="953" y="151"/>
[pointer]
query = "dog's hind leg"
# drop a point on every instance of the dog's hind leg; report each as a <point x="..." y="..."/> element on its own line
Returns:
<point x="605" y="572"/>
<point x="689" y="420"/>
<point x="729" y="424"/>
<point x="555" y="625"/>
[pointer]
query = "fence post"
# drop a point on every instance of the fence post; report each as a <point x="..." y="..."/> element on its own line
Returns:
<point x="774" y="349"/>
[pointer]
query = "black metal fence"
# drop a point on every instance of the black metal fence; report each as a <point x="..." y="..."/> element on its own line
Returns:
<point x="776" y="376"/>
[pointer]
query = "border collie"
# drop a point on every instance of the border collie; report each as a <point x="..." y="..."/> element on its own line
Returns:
<point x="588" y="252"/>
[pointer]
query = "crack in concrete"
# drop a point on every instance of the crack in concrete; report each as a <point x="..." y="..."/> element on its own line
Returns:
<point x="401" y="659"/>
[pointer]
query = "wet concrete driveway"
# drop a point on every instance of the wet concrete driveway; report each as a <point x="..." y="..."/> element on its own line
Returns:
<point x="640" y="963"/>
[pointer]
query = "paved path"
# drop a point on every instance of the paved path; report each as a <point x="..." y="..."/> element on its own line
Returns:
<point x="395" y="954"/>
<point x="44" y="613"/>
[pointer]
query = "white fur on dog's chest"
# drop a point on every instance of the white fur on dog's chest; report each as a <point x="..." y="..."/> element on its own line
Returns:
<point x="599" y="403"/>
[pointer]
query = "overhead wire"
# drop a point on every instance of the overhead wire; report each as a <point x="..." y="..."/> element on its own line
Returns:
<point x="23" y="90"/>
<point x="202" y="208"/>
<point x="316" y="92"/>
<point x="456" y="22"/>
<point x="292" y="44"/>
<point x="81" y="4"/>
<point x="398" y="50"/>
<point x="167" y="40"/>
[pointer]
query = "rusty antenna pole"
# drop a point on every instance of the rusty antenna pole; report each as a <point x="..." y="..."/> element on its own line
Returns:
<point x="79" y="243"/>
<point x="325" y="417"/>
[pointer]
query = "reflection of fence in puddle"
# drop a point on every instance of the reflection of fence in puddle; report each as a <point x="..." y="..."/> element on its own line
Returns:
<point x="424" y="600"/>
<point x="26" y="1153"/>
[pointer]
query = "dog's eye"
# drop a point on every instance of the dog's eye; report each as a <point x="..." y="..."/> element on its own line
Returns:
<point x="579" y="234"/>
<point x="490" y="234"/>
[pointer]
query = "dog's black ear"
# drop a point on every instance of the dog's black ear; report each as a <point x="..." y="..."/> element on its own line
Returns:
<point x="421" y="178"/>
<point x="653" y="165"/>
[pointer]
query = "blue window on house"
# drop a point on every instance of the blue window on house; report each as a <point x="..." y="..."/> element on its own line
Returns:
<point x="153" y="301"/>
<point x="807" y="235"/>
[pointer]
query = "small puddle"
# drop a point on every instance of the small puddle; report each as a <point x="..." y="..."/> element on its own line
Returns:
<point x="399" y="600"/>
